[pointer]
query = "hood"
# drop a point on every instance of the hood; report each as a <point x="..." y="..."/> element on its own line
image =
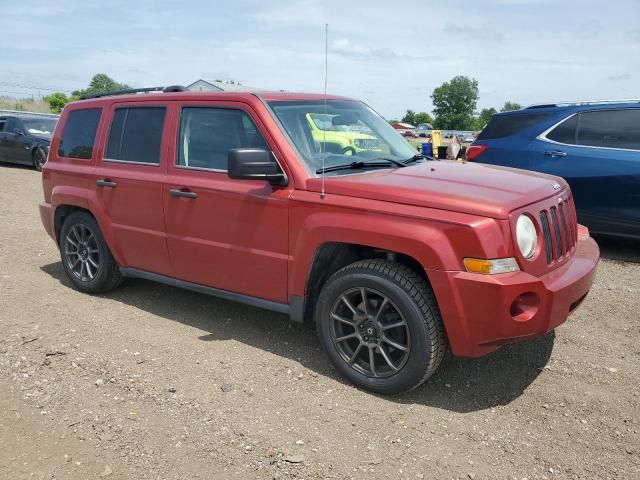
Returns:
<point x="473" y="188"/>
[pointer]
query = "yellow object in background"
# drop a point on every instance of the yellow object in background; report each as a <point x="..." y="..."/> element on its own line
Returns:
<point x="436" y="140"/>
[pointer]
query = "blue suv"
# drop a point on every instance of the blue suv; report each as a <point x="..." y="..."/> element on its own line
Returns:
<point x="595" y="146"/>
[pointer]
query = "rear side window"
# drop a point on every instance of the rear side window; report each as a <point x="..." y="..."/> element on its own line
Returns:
<point x="136" y="135"/>
<point x="565" y="132"/>
<point x="610" y="129"/>
<point x="2" y="122"/>
<point x="207" y="135"/>
<point x="505" y="125"/>
<point x="79" y="134"/>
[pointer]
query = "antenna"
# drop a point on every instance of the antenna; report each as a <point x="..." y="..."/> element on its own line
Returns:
<point x="324" y="140"/>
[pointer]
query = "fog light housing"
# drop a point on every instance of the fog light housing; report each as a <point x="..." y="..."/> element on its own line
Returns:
<point x="525" y="307"/>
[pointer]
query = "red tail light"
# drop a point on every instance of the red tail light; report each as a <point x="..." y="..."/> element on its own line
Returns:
<point x="474" y="151"/>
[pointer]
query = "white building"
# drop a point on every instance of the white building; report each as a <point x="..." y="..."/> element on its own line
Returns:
<point x="216" y="86"/>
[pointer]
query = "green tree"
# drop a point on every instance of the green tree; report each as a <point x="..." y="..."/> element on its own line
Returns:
<point x="100" y="83"/>
<point x="417" y="118"/>
<point x="409" y="117"/>
<point x="454" y="103"/>
<point x="483" y="118"/>
<point x="56" y="101"/>
<point x="508" y="106"/>
<point x="423" y="117"/>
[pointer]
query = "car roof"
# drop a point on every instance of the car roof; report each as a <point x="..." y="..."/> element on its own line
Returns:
<point x="194" y="96"/>
<point x="574" y="107"/>
<point x="26" y="116"/>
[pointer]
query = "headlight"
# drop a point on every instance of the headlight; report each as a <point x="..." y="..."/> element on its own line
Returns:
<point x="526" y="236"/>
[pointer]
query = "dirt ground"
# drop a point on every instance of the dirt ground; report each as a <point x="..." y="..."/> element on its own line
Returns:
<point x="151" y="382"/>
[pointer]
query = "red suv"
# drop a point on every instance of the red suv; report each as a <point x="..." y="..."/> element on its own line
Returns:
<point x="396" y="258"/>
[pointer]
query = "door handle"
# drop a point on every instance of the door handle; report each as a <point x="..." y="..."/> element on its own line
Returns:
<point x="182" y="193"/>
<point x="106" y="183"/>
<point x="556" y="153"/>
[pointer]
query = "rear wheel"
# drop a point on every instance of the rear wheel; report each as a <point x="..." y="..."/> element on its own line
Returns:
<point x="85" y="256"/>
<point x="39" y="158"/>
<point x="380" y="325"/>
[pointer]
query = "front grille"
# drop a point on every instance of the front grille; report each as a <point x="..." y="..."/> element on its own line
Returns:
<point x="559" y="229"/>
<point x="367" y="143"/>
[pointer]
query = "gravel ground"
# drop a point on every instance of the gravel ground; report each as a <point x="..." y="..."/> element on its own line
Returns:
<point x="151" y="382"/>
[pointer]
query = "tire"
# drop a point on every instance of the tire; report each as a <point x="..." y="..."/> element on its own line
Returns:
<point x="409" y="319"/>
<point x="98" y="271"/>
<point x="39" y="158"/>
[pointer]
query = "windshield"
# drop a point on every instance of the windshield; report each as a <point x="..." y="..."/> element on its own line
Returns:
<point x="39" y="126"/>
<point x="348" y="132"/>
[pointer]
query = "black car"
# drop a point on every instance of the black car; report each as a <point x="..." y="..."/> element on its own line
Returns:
<point x="25" y="138"/>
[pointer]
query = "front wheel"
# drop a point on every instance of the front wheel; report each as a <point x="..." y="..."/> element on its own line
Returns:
<point x="39" y="158"/>
<point x="379" y="323"/>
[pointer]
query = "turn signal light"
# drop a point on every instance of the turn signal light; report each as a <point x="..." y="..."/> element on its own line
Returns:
<point x="491" y="267"/>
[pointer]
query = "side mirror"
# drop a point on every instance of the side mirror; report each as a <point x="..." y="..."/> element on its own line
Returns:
<point x="18" y="132"/>
<point x="255" y="164"/>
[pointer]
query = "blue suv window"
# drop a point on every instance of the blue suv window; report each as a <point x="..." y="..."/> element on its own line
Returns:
<point x="610" y="129"/>
<point x="565" y="132"/>
<point x="501" y="126"/>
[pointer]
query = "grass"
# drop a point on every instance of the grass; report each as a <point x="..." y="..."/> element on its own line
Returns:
<point x="24" y="104"/>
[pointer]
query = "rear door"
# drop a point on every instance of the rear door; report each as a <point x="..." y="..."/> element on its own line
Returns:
<point x="224" y="233"/>
<point x="129" y="179"/>
<point x="598" y="153"/>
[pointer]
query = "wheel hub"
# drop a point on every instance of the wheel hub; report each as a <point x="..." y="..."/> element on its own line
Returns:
<point x="370" y="332"/>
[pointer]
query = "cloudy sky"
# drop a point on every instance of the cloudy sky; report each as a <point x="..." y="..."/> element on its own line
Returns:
<point x="390" y="53"/>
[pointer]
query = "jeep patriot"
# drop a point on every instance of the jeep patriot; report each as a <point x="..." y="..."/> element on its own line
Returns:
<point x="394" y="256"/>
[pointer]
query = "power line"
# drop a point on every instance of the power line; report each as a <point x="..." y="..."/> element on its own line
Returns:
<point x="17" y="93"/>
<point x="33" y="87"/>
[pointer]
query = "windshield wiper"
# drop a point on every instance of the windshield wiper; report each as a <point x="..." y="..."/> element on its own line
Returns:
<point x="360" y="164"/>
<point x="416" y="157"/>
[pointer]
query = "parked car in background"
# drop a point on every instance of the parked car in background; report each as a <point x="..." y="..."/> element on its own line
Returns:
<point x="330" y="132"/>
<point x="393" y="258"/>
<point x="467" y="138"/>
<point x="409" y="134"/>
<point x="25" y="138"/>
<point x="595" y="146"/>
<point x="424" y="130"/>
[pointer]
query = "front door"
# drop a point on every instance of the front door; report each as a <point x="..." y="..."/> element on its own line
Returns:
<point x="224" y="233"/>
<point x="15" y="145"/>
<point x="129" y="179"/>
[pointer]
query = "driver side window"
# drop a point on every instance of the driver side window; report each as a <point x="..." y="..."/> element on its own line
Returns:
<point x="11" y="125"/>
<point x="207" y="134"/>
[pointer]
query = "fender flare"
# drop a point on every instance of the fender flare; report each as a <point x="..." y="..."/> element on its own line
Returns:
<point x="415" y="238"/>
<point x="84" y="198"/>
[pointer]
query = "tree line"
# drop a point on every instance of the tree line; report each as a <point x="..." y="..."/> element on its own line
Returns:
<point x="454" y="106"/>
<point x="100" y="83"/>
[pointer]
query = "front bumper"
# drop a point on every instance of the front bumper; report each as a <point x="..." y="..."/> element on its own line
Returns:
<point x="479" y="312"/>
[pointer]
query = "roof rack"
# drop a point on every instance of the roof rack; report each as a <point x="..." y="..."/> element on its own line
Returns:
<point x="584" y="102"/>
<point x="23" y="112"/>
<point x="171" y="88"/>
